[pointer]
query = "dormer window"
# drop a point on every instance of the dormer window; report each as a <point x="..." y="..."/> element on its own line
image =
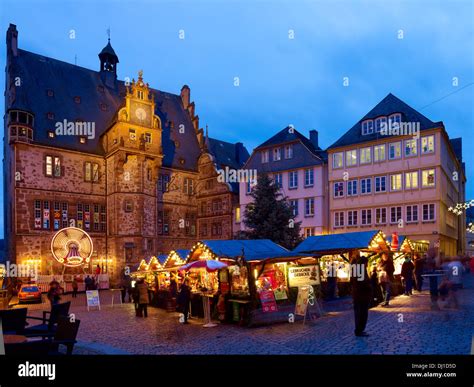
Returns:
<point x="50" y="93"/>
<point x="50" y="116"/>
<point x="77" y="99"/>
<point x="50" y="134"/>
<point x="380" y="123"/>
<point x="367" y="127"/>
<point x="82" y="140"/>
<point x="395" y="120"/>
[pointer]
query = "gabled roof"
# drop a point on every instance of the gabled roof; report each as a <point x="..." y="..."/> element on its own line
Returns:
<point x="336" y="242"/>
<point x="182" y="253"/>
<point x="389" y="105"/>
<point x="67" y="81"/>
<point x="287" y="135"/>
<point x="251" y="249"/>
<point x="228" y="154"/>
<point x="305" y="154"/>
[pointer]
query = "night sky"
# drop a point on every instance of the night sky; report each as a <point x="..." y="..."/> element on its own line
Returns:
<point x="283" y="81"/>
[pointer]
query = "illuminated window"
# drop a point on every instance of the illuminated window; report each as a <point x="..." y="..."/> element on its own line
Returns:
<point x="427" y="144"/>
<point x="411" y="180"/>
<point x="365" y="155"/>
<point x="351" y="158"/>
<point x="380" y="123"/>
<point x="49" y="166"/>
<point x="396" y="182"/>
<point x="379" y="152"/>
<point x="337" y="160"/>
<point x="428" y="178"/>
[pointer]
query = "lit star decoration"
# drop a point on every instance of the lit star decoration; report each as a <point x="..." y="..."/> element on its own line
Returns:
<point x="459" y="207"/>
<point x="470" y="228"/>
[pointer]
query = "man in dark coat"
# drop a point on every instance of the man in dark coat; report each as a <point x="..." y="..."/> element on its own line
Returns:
<point x="184" y="298"/>
<point x="361" y="293"/>
<point x="407" y="275"/>
<point x="419" y="270"/>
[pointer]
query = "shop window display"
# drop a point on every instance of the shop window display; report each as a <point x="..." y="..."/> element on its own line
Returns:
<point x="239" y="280"/>
<point x="274" y="279"/>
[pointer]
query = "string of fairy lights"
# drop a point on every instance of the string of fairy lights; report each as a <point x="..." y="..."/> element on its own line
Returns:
<point x="459" y="209"/>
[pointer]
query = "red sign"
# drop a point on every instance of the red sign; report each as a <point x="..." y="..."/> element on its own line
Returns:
<point x="267" y="298"/>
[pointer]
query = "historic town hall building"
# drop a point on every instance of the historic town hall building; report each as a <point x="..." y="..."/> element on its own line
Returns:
<point x="126" y="163"/>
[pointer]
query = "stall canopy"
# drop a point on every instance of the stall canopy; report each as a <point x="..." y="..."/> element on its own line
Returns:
<point x="250" y="250"/>
<point x="176" y="258"/>
<point x="341" y="243"/>
<point x="147" y="264"/>
<point x="404" y="244"/>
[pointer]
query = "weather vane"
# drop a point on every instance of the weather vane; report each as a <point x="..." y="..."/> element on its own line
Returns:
<point x="108" y="33"/>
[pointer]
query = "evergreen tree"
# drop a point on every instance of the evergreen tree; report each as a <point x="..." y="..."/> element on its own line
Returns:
<point x="270" y="216"/>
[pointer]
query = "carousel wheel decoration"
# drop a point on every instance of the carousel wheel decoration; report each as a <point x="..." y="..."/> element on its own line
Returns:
<point x="72" y="247"/>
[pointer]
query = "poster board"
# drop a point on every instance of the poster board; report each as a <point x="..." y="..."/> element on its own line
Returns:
<point x="302" y="301"/>
<point x="267" y="298"/>
<point x="303" y="275"/>
<point x="92" y="298"/>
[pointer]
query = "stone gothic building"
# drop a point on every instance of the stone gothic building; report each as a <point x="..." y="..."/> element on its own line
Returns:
<point x="127" y="163"/>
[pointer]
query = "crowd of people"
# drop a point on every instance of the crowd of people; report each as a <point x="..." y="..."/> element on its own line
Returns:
<point x="443" y="273"/>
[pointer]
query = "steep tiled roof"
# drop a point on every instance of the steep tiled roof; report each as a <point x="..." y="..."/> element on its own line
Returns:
<point x="228" y="154"/>
<point x="389" y="105"/>
<point x="39" y="74"/>
<point x="304" y="153"/>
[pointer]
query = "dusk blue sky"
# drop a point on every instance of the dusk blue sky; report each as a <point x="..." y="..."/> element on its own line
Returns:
<point x="282" y="81"/>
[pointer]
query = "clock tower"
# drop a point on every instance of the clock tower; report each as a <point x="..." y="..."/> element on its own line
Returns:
<point x="133" y="157"/>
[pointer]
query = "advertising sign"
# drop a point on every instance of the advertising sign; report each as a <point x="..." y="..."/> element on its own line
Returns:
<point x="92" y="298"/>
<point x="302" y="301"/>
<point x="267" y="299"/>
<point x="303" y="275"/>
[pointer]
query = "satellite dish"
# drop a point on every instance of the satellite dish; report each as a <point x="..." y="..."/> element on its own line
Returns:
<point x="72" y="247"/>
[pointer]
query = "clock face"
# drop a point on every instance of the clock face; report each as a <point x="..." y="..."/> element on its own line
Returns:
<point x="140" y="113"/>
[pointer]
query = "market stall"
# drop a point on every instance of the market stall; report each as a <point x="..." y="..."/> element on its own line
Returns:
<point x="333" y="252"/>
<point x="260" y="283"/>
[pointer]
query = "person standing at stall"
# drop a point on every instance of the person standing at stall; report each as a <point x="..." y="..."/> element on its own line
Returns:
<point x="75" y="286"/>
<point x="385" y="272"/>
<point x="361" y="294"/>
<point x="184" y="298"/>
<point x="143" y="299"/>
<point x="407" y="275"/>
<point x="419" y="270"/>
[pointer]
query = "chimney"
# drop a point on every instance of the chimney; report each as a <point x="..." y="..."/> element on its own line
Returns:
<point x="185" y="96"/>
<point x="12" y="40"/>
<point x="239" y="152"/>
<point x="313" y="137"/>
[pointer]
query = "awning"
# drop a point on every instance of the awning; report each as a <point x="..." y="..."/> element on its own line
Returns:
<point x="249" y="250"/>
<point x="340" y="243"/>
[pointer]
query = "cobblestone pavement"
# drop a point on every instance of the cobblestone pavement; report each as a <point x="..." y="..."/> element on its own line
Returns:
<point x="409" y="326"/>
